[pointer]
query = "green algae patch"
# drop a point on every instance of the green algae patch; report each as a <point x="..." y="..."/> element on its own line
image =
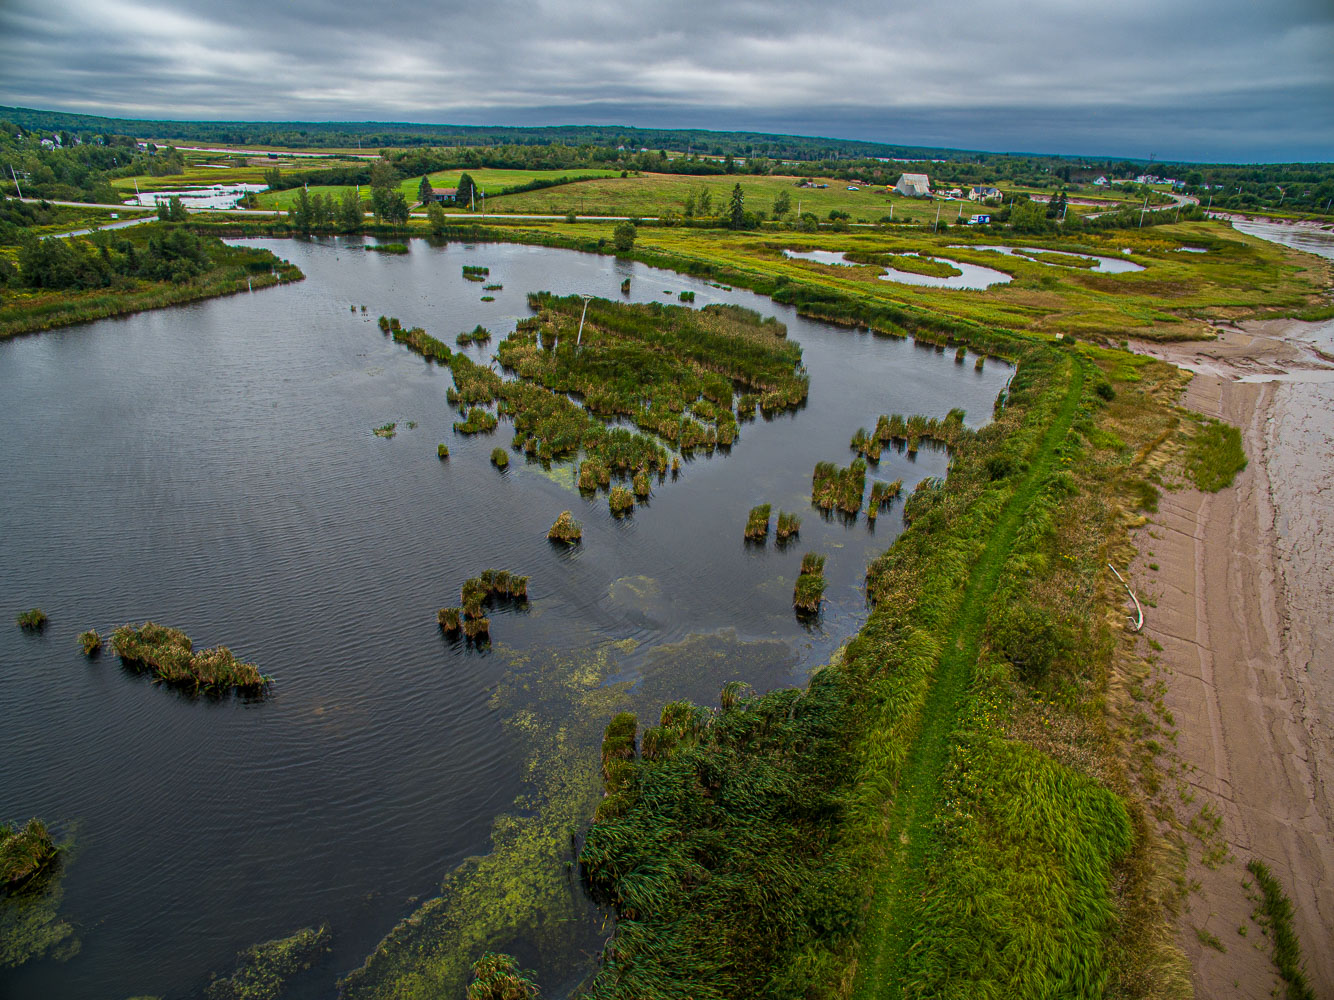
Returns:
<point x="30" y="894"/>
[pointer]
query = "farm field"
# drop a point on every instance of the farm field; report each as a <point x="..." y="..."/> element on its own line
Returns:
<point x="485" y="178"/>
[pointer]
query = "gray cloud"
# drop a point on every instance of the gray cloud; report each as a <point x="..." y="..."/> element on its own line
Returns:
<point x="1196" y="80"/>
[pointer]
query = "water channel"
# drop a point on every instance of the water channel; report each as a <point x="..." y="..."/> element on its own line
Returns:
<point x="212" y="467"/>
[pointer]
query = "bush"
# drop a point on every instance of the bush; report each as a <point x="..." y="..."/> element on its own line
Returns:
<point x="1029" y="639"/>
<point x="623" y="237"/>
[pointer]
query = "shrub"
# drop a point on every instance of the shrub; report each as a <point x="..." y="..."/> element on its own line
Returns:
<point x="623" y="237"/>
<point x="1026" y="636"/>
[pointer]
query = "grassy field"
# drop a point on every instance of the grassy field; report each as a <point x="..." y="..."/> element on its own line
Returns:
<point x="225" y="169"/>
<point x="484" y="178"/>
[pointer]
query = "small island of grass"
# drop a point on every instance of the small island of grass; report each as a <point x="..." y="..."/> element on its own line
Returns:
<point x="32" y="620"/>
<point x="832" y="487"/>
<point x="788" y="526"/>
<point x="385" y="430"/>
<point x="809" y="590"/>
<point x="168" y="654"/>
<point x="621" y="501"/>
<point x="90" y="642"/>
<point x="566" y="529"/>
<point x="500" y="458"/>
<point x="394" y="248"/>
<point x="24" y="852"/>
<point x="757" y="523"/>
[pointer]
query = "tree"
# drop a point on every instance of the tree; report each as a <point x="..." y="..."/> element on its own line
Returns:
<point x="703" y="201"/>
<point x="382" y="174"/>
<point x="389" y="205"/>
<point x="424" y="189"/>
<point x="300" y="215"/>
<point x="623" y="237"/>
<point x="467" y="192"/>
<point x="172" y="210"/>
<point x="737" y="208"/>
<point x="350" y="214"/>
<point x="436" y="218"/>
<point x="782" y="204"/>
<point x="273" y="177"/>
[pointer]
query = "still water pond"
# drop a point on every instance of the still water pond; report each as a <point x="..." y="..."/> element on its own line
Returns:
<point x="970" y="276"/>
<point x="212" y="467"/>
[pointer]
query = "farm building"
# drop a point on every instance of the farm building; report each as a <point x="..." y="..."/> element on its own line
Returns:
<point x="981" y="192"/>
<point x="914" y="186"/>
<point x="430" y="194"/>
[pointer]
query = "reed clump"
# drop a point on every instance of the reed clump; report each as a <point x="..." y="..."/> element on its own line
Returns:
<point x="476" y="594"/>
<point x="492" y="288"/>
<point x="625" y="287"/>
<point x="449" y="620"/>
<point x="385" y="430"/>
<point x="475" y="629"/>
<point x="394" y="248"/>
<point x="90" y="642"/>
<point x="500" y="458"/>
<point x="788" y="526"/>
<point x="641" y="485"/>
<point x="911" y="431"/>
<point x="566" y="529"/>
<point x="474" y="273"/>
<point x="442" y="450"/>
<point x="476" y="421"/>
<point x="809" y="589"/>
<point x="33" y="620"/>
<point x="24" y="852"/>
<point x="687" y="296"/>
<point x="882" y="494"/>
<point x="833" y="487"/>
<point x="757" y="523"/>
<point x="593" y="473"/>
<point x="168" y="654"/>
<point x="620" y="500"/>
<point x="477" y="335"/>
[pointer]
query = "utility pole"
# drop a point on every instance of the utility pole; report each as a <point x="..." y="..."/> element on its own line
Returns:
<point x="20" y="190"/>
<point x="1144" y="208"/>
<point x="579" y="339"/>
<point x="936" y="224"/>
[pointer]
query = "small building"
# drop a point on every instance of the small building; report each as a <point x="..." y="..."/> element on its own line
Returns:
<point x="981" y="192"/>
<point x="914" y="186"/>
<point x="951" y="193"/>
<point x="439" y="195"/>
<point x="1101" y="182"/>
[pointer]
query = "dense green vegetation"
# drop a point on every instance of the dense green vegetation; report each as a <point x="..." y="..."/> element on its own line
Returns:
<point x="809" y="588"/>
<point x="1275" y="910"/>
<point x="31" y="870"/>
<point x="167" y="653"/>
<point x="90" y="642"/>
<point x="263" y="970"/>
<point x="24" y="851"/>
<point x="1214" y="456"/>
<point x="32" y="620"/>
<point x="833" y="487"/>
<point x="565" y="529"/>
<point x="757" y="523"/>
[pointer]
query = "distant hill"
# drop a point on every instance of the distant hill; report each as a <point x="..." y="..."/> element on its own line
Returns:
<point x="373" y="135"/>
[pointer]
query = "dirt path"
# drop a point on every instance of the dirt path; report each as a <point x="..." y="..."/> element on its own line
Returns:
<point x="1245" y="615"/>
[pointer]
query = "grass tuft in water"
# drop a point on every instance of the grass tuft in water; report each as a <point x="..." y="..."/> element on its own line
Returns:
<point x="788" y="526"/>
<point x="500" y="458"/>
<point x="385" y="430"/>
<point x="33" y="620"/>
<point x="24" y="852"/>
<point x="809" y="589"/>
<point x="90" y="642"/>
<point x="566" y="529"/>
<point x="621" y="501"/>
<point x="167" y="653"/>
<point x="757" y="523"/>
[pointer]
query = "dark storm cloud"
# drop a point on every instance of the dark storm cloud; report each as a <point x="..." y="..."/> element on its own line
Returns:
<point x="1195" y="79"/>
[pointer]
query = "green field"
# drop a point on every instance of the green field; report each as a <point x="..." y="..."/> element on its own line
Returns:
<point x="485" y="178"/>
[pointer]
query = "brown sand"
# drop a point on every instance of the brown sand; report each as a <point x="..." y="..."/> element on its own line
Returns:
<point x="1245" y="616"/>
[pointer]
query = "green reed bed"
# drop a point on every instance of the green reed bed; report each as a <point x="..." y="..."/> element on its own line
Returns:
<point x="788" y="526"/>
<point x="500" y="458"/>
<point x="882" y="494"/>
<point x="477" y="335"/>
<point x="757" y="523"/>
<point x="24" y="852"/>
<point x="90" y="642"/>
<point x="389" y="248"/>
<point x="473" y="272"/>
<point x="476" y="421"/>
<point x="837" y="488"/>
<point x="910" y="432"/>
<point x="168" y="654"/>
<point x="385" y="430"/>
<point x="32" y="620"/>
<point x="565" y="529"/>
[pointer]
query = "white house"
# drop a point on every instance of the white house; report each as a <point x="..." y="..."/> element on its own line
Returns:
<point x="1101" y="182"/>
<point x="981" y="192"/>
<point x="914" y="186"/>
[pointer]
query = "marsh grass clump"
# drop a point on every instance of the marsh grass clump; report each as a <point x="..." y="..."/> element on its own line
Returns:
<point x="500" y="458"/>
<point x="621" y="501"/>
<point x="593" y="473"/>
<point x="394" y="248"/>
<point x="788" y="525"/>
<point x="32" y="620"/>
<point x="566" y="529"/>
<point x="498" y="977"/>
<point x="757" y="523"/>
<point x="1215" y="456"/>
<point x="1275" y="910"/>
<point x="477" y="335"/>
<point x="423" y="343"/>
<point x="479" y="591"/>
<point x="882" y="494"/>
<point x="911" y="431"/>
<point x="449" y="619"/>
<point x="625" y="287"/>
<point x="832" y="487"/>
<point x="168" y="654"/>
<point x="442" y="450"/>
<point x="90" y="642"/>
<point x="385" y="430"/>
<point x="809" y="589"/>
<point x="24" y="852"/>
<point x="477" y="629"/>
<point x="476" y="421"/>
<point x="492" y="288"/>
<point x="687" y="296"/>
<point x="262" y="970"/>
<point x="960" y="355"/>
<point x="383" y="321"/>
<point x="474" y="272"/>
<point x="488" y="298"/>
<point x="641" y="484"/>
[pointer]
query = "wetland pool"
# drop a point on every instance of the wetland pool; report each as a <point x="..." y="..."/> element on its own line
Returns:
<point x="212" y="467"/>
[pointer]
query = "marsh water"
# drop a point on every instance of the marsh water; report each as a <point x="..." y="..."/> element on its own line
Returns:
<point x="972" y="277"/>
<point x="213" y="467"/>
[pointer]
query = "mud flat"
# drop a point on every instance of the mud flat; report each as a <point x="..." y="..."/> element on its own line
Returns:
<point x="1245" y="616"/>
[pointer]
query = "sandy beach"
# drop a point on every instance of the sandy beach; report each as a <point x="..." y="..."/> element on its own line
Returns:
<point x="1245" y="616"/>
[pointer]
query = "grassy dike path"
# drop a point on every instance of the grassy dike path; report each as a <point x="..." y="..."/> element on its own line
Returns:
<point x="900" y="886"/>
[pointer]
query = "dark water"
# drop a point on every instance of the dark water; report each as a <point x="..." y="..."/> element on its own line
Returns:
<point x="212" y="467"/>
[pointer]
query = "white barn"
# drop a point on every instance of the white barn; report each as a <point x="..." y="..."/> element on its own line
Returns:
<point x="914" y="186"/>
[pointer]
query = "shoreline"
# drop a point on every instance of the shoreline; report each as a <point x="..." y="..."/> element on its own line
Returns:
<point x="1245" y="606"/>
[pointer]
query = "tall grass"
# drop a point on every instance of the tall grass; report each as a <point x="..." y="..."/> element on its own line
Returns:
<point x="24" y="852"/>
<point x="168" y="654"/>
<point x="1276" y="911"/>
<point x="1214" y="456"/>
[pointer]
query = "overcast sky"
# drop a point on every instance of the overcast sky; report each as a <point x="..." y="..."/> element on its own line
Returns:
<point x="1190" y="79"/>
